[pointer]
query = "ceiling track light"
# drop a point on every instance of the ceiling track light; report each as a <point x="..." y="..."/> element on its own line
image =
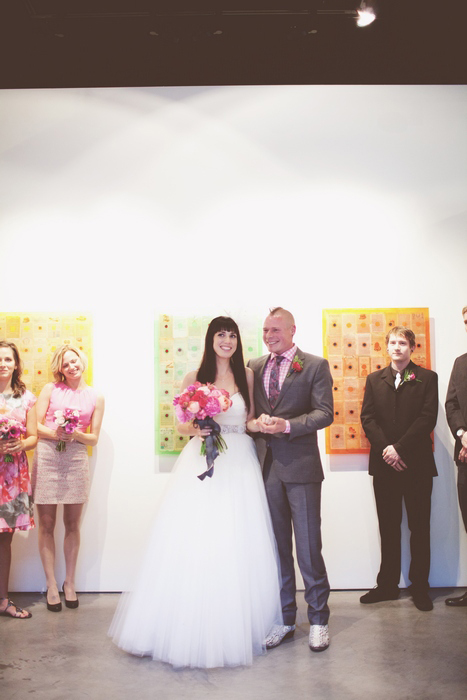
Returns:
<point x="366" y="15"/>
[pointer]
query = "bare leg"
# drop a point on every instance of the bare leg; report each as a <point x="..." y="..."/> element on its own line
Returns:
<point x="5" y="563"/>
<point x="71" y="518"/>
<point x="47" y="517"/>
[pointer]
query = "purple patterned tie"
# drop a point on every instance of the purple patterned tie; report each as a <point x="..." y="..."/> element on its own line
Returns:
<point x="274" y="390"/>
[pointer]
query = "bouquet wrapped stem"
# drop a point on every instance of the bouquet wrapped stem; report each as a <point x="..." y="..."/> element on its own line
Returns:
<point x="199" y="403"/>
<point x="213" y="444"/>
<point x="68" y="419"/>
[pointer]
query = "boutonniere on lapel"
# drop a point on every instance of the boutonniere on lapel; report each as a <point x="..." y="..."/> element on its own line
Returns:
<point x="409" y="376"/>
<point x="296" y="366"/>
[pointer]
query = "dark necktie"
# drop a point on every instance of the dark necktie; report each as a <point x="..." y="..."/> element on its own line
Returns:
<point x="274" y="390"/>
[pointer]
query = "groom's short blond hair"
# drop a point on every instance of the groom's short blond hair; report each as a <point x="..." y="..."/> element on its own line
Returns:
<point x="286" y="315"/>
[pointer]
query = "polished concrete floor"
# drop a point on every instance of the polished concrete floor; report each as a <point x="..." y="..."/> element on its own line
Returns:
<point x="387" y="651"/>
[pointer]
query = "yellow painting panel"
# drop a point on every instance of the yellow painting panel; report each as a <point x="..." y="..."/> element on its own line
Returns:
<point x="38" y="335"/>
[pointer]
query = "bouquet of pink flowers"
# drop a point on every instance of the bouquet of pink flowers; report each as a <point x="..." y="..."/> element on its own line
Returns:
<point x="68" y="419"/>
<point x="199" y="403"/>
<point x="9" y="430"/>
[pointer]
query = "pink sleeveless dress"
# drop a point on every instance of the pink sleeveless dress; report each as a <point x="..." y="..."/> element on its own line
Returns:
<point x="15" y="487"/>
<point x="63" y="477"/>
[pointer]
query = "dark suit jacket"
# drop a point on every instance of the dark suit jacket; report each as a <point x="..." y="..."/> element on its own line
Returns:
<point x="404" y="418"/>
<point x="456" y="400"/>
<point x="306" y="401"/>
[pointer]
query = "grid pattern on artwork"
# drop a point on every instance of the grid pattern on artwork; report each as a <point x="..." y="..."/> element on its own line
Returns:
<point x="179" y="346"/>
<point x="354" y="344"/>
<point x="37" y="336"/>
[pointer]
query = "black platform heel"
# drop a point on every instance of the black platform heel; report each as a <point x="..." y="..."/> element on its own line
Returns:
<point x="53" y="607"/>
<point x="69" y="603"/>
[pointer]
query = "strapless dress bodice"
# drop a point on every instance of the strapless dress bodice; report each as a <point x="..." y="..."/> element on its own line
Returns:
<point x="234" y="419"/>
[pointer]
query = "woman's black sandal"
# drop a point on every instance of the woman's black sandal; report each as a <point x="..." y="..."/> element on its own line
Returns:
<point x="18" y="610"/>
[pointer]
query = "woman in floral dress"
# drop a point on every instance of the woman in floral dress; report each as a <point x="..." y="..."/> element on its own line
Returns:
<point x="16" y="403"/>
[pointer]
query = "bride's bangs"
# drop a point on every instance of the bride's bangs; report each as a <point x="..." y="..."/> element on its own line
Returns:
<point x="224" y="324"/>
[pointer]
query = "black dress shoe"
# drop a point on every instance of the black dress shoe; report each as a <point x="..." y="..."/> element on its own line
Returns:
<point x="378" y="594"/>
<point x="422" y="600"/>
<point x="53" y="607"/>
<point x="459" y="602"/>
<point x="69" y="603"/>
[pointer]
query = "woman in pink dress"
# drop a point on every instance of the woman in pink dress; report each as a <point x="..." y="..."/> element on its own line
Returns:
<point x="17" y="404"/>
<point x="61" y="469"/>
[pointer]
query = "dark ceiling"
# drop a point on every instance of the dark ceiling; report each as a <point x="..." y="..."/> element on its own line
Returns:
<point x="76" y="43"/>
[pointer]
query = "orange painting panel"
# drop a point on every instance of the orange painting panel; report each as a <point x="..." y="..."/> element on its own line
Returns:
<point x="338" y="411"/>
<point x="350" y="367"/>
<point x="354" y="344"/>
<point x="352" y="411"/>
<point x="377" y="363"/>
<point x="363" y="323"/>
<point x="336" y="365"/>
<point x="363" y="343"/>
<point x="337" y="438"/>
<point x="363" y="366"/>
<point x="335" y="344"/>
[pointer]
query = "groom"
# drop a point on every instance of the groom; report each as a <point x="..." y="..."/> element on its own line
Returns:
<point x="293" y="395"/>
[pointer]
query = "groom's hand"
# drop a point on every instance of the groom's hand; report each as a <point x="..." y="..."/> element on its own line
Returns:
<point x="263" y="422"/>
<point x="275" y="425"/>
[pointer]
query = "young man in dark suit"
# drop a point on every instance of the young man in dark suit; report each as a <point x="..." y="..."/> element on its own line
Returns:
<point x="456" y="413"/>
<point x="293" y="395"/>
<point x="399" y="412"/>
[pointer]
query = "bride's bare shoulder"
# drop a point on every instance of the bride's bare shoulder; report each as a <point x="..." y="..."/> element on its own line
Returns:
<point x="190" y="378"/>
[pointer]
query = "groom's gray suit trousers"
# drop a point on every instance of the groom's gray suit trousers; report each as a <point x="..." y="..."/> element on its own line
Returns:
<point x="299" y="504"/>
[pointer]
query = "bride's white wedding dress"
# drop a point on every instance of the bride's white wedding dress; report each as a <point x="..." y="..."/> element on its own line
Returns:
<point x="208" y="591"/>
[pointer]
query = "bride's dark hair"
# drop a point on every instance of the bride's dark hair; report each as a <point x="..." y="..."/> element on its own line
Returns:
<point x="208" y="366"/>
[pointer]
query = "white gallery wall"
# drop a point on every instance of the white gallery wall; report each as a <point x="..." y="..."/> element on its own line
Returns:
<point x="127" y="203"/>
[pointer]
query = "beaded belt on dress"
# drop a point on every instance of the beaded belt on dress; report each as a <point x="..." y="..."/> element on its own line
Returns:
<point x="233" y="428"/>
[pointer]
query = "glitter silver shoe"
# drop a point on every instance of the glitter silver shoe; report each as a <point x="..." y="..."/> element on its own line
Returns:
<point x="278" y="634"/>
<point x="319" y="637"/>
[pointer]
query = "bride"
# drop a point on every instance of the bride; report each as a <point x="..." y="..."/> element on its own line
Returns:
<point x="208" y="591"/>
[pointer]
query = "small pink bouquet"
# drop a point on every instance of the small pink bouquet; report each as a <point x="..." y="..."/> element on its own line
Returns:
<point x="9" y="430"/>
<point x="199" y="403"/>
<point x="68" y="419"/>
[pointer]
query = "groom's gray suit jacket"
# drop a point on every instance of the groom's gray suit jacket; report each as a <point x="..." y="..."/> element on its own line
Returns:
<point x="306" y="401"/>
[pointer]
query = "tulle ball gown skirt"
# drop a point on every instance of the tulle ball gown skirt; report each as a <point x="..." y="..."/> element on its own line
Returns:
<point x="208" y="590"/>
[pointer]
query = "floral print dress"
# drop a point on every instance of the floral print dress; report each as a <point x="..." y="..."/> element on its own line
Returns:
<point x="15" y="486"/>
